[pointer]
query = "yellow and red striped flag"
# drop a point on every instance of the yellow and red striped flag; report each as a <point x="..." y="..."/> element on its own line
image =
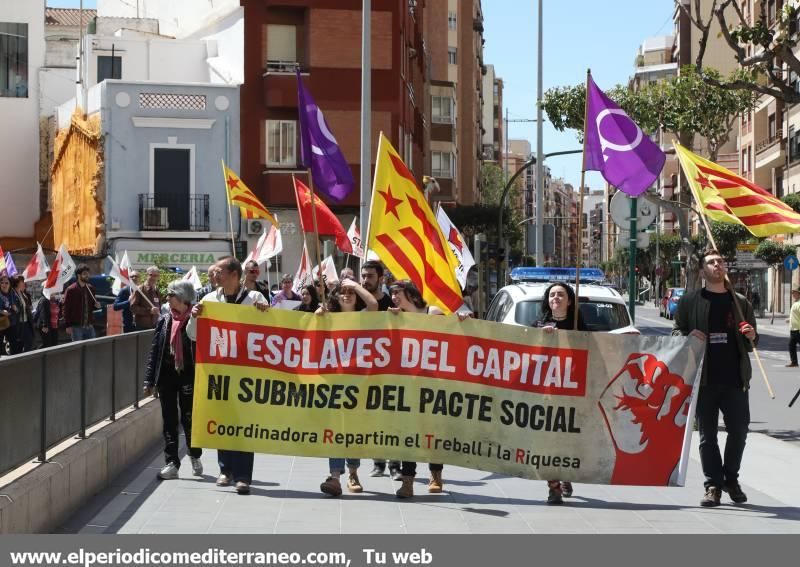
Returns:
<point x="404" y="232"/>
<point x="239" y="195"/>
<point x="726" y="197"/>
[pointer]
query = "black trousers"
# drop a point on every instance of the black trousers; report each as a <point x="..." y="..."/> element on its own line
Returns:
<point x="794" y="340"/>
<point x="50" y="338"/>
<point x="734" y="404"/>
<point x="175" y="392"/>
<point x="409" y="468"/>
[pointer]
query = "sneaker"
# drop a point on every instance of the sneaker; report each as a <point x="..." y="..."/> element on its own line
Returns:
<point x="353" y="484"/>
<point x="554" y="495"/>
<point x="377" y="471"/>
<point x="395" y="473"/>
<point x="735" y="492"/>
<point x="223" y="480"/>
<point x="169" y="472"/>
<point x="197" y="466"/>
<point x="242" y="487"/>
<point x="711" y="497"/>
<point x="331" y="486"/>
<point x="566" y="489"/>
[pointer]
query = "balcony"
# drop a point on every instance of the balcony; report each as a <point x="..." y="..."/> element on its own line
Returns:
<point x="769" y="151"/>
<point x="173" y="212"/>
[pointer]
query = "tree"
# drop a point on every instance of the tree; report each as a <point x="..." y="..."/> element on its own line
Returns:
<point x="727" y="236"/>
<point x="668" y="247"/>
<point x="793" y="200"/>
<point x="773" y="253"/>
<point x="492" y="185"/>
<point x="763" y="49"/>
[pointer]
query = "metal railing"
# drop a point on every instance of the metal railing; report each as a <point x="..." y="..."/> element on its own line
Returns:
<point x="764" y="144"/>
<point x="174" y="212"/>
<point x="52" y="394"/>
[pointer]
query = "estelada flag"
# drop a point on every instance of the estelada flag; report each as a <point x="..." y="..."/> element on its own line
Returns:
<point x="239" y="195"/>
<point x="327" y="223"/>
<point x="404" y="232"/>
<point x="726" y="197"/>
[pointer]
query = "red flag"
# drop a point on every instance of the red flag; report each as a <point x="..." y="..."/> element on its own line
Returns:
<point x="37" y="268"/>
<point x="327" y="223"/>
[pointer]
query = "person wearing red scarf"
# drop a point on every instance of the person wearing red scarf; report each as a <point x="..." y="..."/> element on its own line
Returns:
<point x="170" y="368"/>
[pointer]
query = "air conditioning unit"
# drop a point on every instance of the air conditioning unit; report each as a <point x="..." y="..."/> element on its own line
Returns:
<point x="255" y="227"/>
<point x="155" y="218"/>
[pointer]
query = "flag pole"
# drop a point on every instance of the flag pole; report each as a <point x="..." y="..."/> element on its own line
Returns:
<point x="579" y="239"/>
<point x="314" y="223"/>
<point x="365" y="235"/>
<point x="702" y="213"/>
<point x="230" y="215"/>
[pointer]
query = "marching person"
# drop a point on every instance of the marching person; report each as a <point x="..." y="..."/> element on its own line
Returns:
<point x="48" y="312"/>
<point x="407" y="298"/>
<point x="794" y="327"/>
<point x="145" y="315"/>
<point x="309" y="299"/>
<point x="710" y="315"/>
<point x="347" y="297"/>
<point x="211" y="285"/>
<point x="25" y="315"/>
<point x="170" y="369"/>
<point x="235" y="466"/>
<point x="286" y="293"/>
<point x="9" y="313"/>
<point x="79" y="305"/>
<point x="558" y="312"/>
<point x="251" y="273"/>
<point x="123" y="303"/>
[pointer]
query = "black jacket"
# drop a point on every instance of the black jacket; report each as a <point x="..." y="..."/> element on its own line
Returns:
<point x="158" y="347"/>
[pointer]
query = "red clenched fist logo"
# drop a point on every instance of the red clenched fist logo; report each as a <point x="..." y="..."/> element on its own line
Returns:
<point x="645" y="408"/>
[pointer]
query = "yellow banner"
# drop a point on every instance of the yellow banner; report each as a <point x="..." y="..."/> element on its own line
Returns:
<point x="580" y="406"/>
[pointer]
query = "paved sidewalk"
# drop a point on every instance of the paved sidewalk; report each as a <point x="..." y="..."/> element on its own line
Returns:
<point x="285" y="499"/>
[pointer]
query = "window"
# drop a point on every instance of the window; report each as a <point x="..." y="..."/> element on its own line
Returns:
<point x="108" y="67"/>
<point x="771" y="12"/>
<point x="442" y="164"/>
<point x="442" y="109"/>
<point x="281" y="47"/>
<point x="281" y="143"/>
<point x="771" y="126"/>
<point x="13" y="60"/>
<point x="451" y="20"/>
<point x="794" y="144"/>
<point x="452" y="55"/>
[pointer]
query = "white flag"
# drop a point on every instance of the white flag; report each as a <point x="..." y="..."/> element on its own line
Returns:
<point x="61" y="271"/>
<point x="123" y="269"/>
<point x="37" y="267"/>
<point x="329" y="274"/>
<point x="194" y="278"/>
<point x="303" y="276"/>
<point x="457" y="245"/>
<point x="354" y="234"/>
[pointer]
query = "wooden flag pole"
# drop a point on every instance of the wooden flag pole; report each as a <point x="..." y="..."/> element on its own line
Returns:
<point x="230" y="215"/>
<point x="316" y="230"/>
<point x="579" y="239"/>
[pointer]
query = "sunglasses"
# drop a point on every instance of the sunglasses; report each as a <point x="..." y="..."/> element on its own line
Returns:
<point x="254" y="271"/>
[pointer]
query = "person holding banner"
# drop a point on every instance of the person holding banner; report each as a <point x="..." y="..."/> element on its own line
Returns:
<point x="711" y="315"/>
<point x="309" y="300"/>
<point x="170" y="369"/>
<point x="408" y="299"/>
<point x="558" y="312"/>
<point x="235" y="466"/>
<point x="347" y="297"/>
<point x="123" y="303"/>
<point x="251" y="273"/>
<point x="286" y="293"/>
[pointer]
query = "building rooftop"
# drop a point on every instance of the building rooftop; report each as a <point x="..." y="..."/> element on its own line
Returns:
<point x="67" y="16"/>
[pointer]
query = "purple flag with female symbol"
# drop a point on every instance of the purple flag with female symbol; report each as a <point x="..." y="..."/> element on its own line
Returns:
<point x="319" y="150"/>
<point x="616" y="146"/>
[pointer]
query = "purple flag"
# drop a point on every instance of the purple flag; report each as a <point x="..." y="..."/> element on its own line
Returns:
<point x="319" y="150"/>
<point x="616" y="146"/>
<point x="11" y="268"/>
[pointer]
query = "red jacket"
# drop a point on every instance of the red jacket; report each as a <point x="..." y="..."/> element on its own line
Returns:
<point x="74" y="304"/>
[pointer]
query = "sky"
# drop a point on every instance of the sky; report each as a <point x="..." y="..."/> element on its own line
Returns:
<point x="578" y="34"/>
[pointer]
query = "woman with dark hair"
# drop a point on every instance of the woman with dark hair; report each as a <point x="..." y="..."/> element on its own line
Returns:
<point x="25" y="315"/>
<point x="309" y="299"/>
<point x="170" y="369"/>
<point x="408" y="299"/>
<point x="9" y="313"/>
<point x="558" y="312"/>
<point x="347" y="297"/>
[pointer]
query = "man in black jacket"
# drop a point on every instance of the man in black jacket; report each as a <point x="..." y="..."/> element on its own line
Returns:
<point x="711" y="315"/>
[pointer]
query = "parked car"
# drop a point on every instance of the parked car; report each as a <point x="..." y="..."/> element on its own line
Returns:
<point x="602" y="307"/>
<point x="672" y="301"/>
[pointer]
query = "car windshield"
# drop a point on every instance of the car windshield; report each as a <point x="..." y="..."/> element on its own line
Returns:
<point x="678" y="292"/>
<point x="597" y="315"/>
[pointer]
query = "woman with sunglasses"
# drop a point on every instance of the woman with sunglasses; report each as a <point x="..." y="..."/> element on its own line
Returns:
<point x="347" y="297"/>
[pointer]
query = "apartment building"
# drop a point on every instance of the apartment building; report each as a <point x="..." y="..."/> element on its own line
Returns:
<point x="492" y="119"/>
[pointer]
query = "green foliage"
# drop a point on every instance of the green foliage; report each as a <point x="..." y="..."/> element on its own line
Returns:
<point x="492" y="185"/>
<point x="793" y="200"/>
<point x="686" y="104"/>
<point x="727" y="236"/>
<point x="773" y="252"/>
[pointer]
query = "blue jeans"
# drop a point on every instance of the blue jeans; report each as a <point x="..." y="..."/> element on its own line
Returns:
<point x="237" y="465"/>
<point x="337" y="465"/>
<point x="734" y="404"/>
<point x="82" y="333"/>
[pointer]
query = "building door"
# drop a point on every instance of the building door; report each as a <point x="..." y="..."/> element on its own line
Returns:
<point x="172" y="185"/>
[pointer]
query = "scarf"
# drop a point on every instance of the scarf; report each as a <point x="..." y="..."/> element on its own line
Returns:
<point x="179" y="321"/>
